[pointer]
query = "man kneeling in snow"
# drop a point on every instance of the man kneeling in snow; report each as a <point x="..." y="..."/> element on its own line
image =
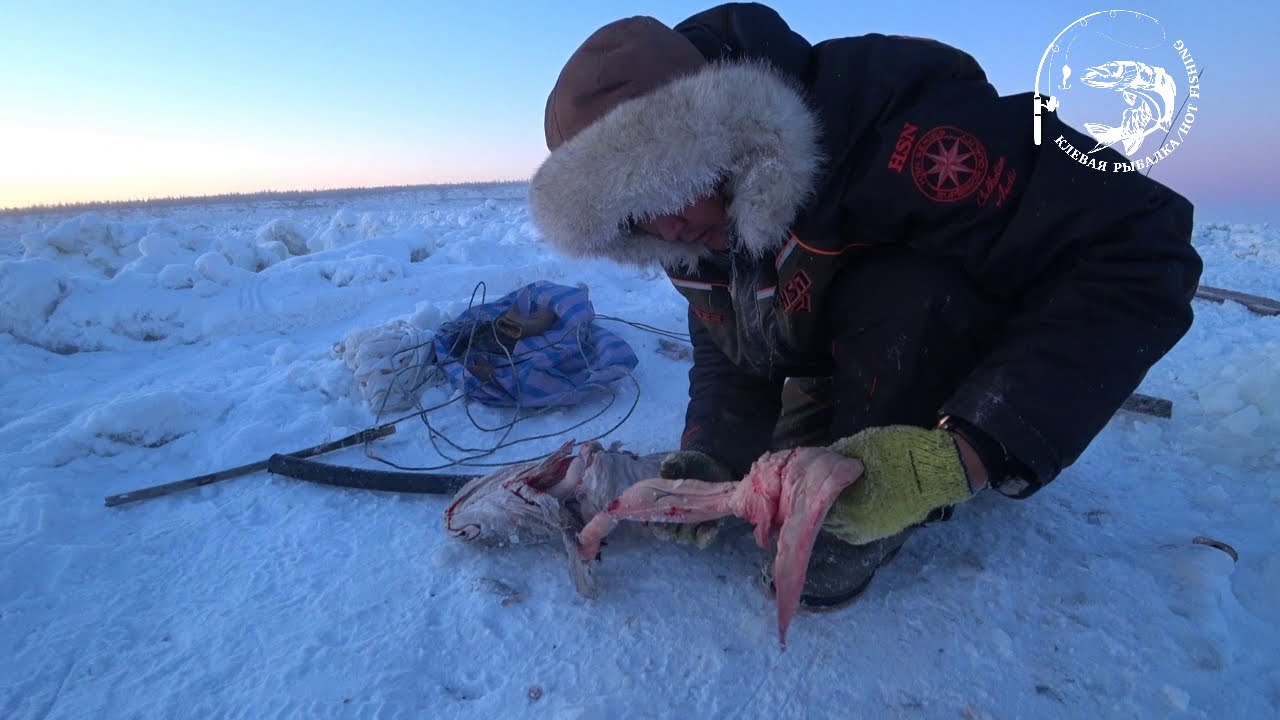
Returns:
<point x="874" y="252"/>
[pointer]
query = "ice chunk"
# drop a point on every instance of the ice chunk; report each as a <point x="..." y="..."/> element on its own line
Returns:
<point x="1240" y="399"/>
<point x="216" y="268"/>
<point x="344" y="229"/>
<point x="99" y="246"/>
<point x="1220" y="398"/>
<point x="285" y="233"/>
<point x="1244" y="421"/>
<point x="158" y="245"/>
<point x="30" y="291"/>
<point x="427" y="316"/>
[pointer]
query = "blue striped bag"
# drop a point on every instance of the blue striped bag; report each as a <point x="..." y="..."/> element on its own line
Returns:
<point x="536" y="347"/>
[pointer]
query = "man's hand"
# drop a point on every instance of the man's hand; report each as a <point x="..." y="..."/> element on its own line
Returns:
<point x="692" y="465"/>
<point x="908" y="473"/>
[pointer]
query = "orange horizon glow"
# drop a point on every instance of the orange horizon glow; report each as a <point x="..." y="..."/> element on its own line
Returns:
<point x="143" y="189"/>
<point x="44" y="166"/>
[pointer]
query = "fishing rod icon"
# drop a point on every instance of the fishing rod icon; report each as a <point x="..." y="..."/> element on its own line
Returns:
<point x="1051" y="105"/>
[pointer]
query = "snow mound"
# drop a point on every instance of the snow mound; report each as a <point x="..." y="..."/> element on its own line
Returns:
<point x="134" y="421"/>
<point x="286" y="233"/>
<point x="156" y="251"/>
<point x="250" y="255"/>
<point x="346" y="227"/>
<point x="150" y="420"/>
<point x="30" y="291"/>
<point x="88" y="241"/>
<point x="43" y="305"/>
<point x="364" y="270"/>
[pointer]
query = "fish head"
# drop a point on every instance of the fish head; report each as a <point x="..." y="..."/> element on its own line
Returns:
<point x="1115" y="74"/>
<point x="511" y="504"/>
<point x="1148" y="88"/>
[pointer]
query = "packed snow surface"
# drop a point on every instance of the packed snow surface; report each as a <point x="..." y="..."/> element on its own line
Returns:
<point x="141" y="346"/>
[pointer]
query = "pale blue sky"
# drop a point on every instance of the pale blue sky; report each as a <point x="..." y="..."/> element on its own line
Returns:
<point x="111" y="100"/>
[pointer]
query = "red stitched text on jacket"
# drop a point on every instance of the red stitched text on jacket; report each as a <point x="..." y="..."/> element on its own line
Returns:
<point x="795" y="294"/>
<point x="707" y="316"/>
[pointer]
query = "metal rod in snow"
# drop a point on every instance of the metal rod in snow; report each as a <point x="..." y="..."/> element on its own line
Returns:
<point x="169" y="488"/>
<point x="1256" y="304"/>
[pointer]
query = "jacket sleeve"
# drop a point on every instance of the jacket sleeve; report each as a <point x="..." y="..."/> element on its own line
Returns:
<point x="1096" y="261"/>
<point x="731" y="413"/>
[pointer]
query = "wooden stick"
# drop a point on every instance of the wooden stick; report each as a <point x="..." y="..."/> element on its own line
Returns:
<point x="1148" y="405"/>
<point x="1255" y="303"/>
<point x="1159" y="407"/>
<point x="169" y="488"/>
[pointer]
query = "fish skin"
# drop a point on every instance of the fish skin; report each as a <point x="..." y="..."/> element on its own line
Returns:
<point x="810" y="486"/>
<point x="790" y="491"/>
<point x="510" y="504"/>
<point x="582" y="498"/>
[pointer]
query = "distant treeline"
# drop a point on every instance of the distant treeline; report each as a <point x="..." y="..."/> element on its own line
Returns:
<point x="264" y="195"/>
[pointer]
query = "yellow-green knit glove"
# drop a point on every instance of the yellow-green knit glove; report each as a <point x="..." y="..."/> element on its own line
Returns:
<point x="909" y="473"/>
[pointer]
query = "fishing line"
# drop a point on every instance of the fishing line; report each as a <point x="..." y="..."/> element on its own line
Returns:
<point x="431" y="374"/>
<point x="648" y="328"/>
<point x="1177" y="114"/>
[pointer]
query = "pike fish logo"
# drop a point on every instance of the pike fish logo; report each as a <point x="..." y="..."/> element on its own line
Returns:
<point x="1149" y="91"/>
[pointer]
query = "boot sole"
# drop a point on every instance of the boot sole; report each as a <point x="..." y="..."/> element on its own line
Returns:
<point x="827" y="603"/>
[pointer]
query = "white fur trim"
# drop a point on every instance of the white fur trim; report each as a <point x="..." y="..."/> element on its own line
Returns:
<point x="744" y="123"/>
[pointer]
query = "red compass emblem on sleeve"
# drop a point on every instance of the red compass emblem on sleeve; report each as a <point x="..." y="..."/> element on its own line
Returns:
<point x="948" y="164"/>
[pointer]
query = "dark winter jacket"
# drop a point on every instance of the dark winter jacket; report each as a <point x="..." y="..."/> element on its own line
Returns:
<point x="834" y="148"/>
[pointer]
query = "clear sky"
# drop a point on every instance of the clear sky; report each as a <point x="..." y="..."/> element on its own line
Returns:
<point x="114" y="100"/>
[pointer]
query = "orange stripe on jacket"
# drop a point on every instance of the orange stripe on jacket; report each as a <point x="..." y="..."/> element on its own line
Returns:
<point x="828" y="253"/>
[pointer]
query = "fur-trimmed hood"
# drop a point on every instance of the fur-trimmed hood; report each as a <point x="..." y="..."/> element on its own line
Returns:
<point x="740" y="124"/>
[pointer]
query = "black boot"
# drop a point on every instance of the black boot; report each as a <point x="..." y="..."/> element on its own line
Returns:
<point x="839" y="572"/>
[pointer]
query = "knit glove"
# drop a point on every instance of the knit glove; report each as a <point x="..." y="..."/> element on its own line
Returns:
<point x="909" y="472"/>
<point x="691" y="465"/>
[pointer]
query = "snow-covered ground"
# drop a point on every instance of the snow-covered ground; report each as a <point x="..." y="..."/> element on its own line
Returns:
<point x="143" y="346"/>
